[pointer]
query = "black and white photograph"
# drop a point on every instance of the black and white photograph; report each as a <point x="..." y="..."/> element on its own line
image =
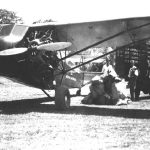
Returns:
<point x="74" y="75"/>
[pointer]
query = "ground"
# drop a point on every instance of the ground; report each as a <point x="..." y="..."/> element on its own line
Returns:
<point x="28" y="121"/>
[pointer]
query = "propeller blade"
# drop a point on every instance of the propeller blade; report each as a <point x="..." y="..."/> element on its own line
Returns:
<point x="54" y="46"/>
<point x="13" y="51"/>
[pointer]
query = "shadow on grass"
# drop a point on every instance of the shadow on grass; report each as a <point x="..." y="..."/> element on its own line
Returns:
<point x="38" y="105"/>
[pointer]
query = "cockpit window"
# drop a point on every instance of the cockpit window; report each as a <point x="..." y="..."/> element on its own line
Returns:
<point x="19" y="30"/>
<point x="6" y="30"/>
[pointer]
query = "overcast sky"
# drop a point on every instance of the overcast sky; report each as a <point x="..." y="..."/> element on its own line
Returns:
<point x="76" y="10"/>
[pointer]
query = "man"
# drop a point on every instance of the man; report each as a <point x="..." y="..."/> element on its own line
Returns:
<point x="143" y="80"/>
<point x="148" y="69"/>
<point x="108" y="69"/>
<point x="133" y="74"/>
<point x="108" y="74"/>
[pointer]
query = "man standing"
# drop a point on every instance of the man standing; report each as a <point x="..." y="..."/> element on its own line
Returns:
<point x="109" y="76"/>
<point x="133" y="74"/>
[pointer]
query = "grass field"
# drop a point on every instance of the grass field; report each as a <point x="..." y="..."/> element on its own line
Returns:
<point x="29" y="121"/>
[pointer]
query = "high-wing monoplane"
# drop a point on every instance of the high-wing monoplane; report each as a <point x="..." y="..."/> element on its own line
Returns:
<point x="54" y="56"/>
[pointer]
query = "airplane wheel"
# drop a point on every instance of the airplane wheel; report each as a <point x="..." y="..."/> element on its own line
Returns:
<point x="62" y="98"/>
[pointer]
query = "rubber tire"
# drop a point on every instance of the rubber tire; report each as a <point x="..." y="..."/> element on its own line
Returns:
<point x="62" y="98"/>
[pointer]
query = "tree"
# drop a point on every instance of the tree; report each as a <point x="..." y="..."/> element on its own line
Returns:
<point x="9" y="17"/>
<point x="43" y="21"/>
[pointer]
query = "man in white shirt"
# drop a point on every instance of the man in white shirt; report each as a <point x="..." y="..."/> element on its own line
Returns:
<point x="108" y="69"/>
<point x="133" y="74"/>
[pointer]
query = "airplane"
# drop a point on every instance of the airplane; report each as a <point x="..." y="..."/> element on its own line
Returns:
<point x="41" y="55"/>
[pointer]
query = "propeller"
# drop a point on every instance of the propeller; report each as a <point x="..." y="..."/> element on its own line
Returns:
<point x="54" y="46"/>
<point x="48" y="47"/>
<point x="13" y="51"/>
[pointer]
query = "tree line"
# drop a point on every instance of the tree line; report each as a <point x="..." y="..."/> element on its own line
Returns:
<point x="10" y="17"/>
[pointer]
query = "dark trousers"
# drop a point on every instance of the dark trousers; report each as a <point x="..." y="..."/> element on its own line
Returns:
<point x="142" y="84"/>
<point x="132" y="84"/>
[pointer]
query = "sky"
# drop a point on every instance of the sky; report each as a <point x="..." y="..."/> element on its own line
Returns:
<point x="76" y="10"/>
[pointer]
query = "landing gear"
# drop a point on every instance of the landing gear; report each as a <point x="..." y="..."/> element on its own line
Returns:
<point x="62" y="98"/>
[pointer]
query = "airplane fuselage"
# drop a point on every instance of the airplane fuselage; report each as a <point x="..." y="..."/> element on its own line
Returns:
<point x="19" y="69"/>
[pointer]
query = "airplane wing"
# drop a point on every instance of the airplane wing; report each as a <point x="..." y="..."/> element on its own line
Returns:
<point x="103" y="33"/>
<point x="113" y="33"/>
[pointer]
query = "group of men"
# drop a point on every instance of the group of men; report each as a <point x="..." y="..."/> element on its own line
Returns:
<point x="106" y="89"/>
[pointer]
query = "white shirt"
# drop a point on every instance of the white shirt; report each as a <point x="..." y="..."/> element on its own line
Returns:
<point x="109" y="70"/>
<point x="133" y="70"/>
